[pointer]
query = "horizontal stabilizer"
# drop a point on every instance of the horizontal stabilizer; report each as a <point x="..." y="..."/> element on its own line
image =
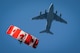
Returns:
<point x="45" y="31"/>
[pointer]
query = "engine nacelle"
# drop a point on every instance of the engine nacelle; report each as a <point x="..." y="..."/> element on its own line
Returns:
<point x="40" y="13"/>
<point x="60" y="14"/>
<point x="56" y="12"/>
<point x="45" y="11"/>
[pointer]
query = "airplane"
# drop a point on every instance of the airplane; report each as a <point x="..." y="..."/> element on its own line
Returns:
<point x="49" y="16"/>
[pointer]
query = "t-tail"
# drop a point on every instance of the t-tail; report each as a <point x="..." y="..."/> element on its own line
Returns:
<point x="46" y="31"/>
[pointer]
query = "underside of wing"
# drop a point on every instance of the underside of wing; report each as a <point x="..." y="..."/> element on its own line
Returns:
<point x="58" y="18"/>
<point x="42" y="16"/>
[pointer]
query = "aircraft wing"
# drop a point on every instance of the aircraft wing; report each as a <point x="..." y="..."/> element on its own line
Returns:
<point x="58" y="18"/>
<point x="42" y="16"/>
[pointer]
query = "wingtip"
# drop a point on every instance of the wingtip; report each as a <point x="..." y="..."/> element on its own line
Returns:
<point x="65" y="22"/>
<point x="32" y="19"/>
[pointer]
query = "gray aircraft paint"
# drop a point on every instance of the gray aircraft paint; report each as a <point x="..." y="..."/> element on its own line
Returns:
<point x="49" y="16"/>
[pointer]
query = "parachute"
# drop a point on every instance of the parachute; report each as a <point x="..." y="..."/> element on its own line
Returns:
<point x="22" y="36"/>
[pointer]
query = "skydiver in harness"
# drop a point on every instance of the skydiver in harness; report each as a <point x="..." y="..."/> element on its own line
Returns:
<point x="21" y="38"/>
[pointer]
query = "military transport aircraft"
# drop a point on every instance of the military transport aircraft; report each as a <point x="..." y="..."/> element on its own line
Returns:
<point x="49" y="16"/>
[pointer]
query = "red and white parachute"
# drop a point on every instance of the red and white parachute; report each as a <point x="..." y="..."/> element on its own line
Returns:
<point x="20" y="35"/>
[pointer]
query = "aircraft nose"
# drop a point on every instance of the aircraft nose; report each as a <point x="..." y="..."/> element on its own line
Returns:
<point x="51" y="5"/>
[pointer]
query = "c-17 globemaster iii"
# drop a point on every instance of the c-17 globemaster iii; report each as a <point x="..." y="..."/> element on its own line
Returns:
<point x="50" y="16"/>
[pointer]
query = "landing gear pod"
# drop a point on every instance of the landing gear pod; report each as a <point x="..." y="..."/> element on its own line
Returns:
<point x="22" y="36"/>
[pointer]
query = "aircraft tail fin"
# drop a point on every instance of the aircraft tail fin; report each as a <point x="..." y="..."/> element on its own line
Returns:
<point x="46" y="31"/>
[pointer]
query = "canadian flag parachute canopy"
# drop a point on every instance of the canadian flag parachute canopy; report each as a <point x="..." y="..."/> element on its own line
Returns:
<point x="22" y="36"/>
